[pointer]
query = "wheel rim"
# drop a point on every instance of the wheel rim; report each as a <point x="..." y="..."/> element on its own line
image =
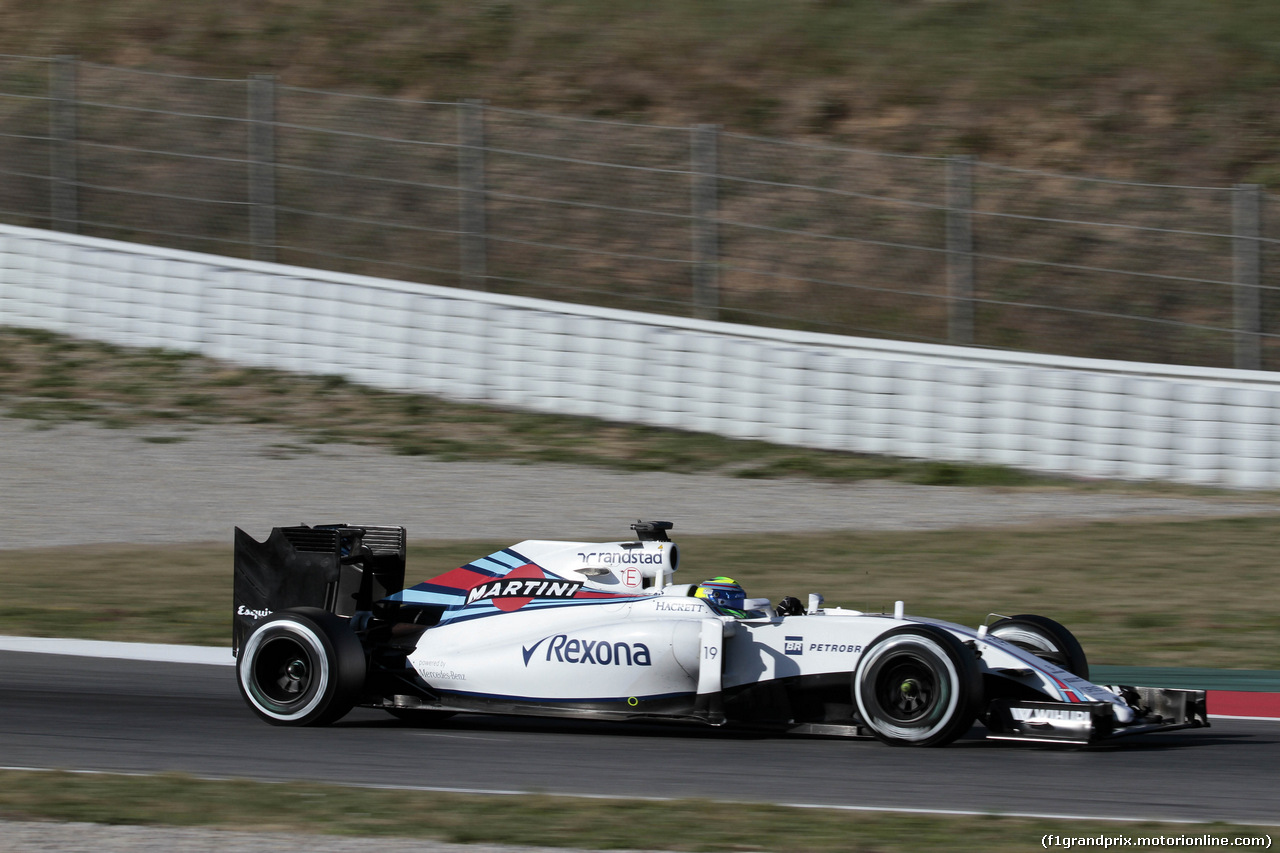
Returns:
<point x="286" y="672"/>
<point x="283" y="671"/>
<point x="907" y="690"/>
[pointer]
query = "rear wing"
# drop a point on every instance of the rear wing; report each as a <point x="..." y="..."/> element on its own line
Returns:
<point x="340" y="568"/>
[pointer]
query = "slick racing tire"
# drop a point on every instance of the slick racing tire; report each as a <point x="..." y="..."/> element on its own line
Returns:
<point x="301" y="667"/>
<point x="918" y="685"/>
<point x="1045" y="639"/>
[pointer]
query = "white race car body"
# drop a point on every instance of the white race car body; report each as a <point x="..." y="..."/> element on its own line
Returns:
<point x="597" y="630"/>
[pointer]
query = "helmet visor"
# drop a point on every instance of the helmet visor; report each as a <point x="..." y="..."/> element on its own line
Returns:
<point x="723" y="594"/>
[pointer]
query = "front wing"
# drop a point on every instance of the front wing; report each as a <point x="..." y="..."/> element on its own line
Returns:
<point x="1161" y="709"/>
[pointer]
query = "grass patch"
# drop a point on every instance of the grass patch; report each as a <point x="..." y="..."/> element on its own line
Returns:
<point x="178" y="800"/>
<point x="1151" y="594"/>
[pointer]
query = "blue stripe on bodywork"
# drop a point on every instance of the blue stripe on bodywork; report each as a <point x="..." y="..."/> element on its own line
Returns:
<point x="506" y="553"/>
<point x="419" y="596"/>
<point x="499" y="562"/>
<point x="489" y="566"/>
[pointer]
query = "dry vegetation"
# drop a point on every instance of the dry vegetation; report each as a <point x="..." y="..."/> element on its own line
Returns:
<point x="1183" y="91"/>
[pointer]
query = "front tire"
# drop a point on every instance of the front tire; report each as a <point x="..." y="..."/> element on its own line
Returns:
<point x="1044" y="638"/>
<point x="301" y="667"/>
<point x="918" y="685"/>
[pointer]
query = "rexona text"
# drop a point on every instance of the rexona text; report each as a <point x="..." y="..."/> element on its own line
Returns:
<point x="599" y="652"/>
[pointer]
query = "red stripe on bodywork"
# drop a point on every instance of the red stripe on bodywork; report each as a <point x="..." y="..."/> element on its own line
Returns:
<point x="1064" y="689"/>
<point x="462" y="579"/>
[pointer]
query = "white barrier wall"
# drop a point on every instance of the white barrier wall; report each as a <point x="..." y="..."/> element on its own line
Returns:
<point x="1074" y="416"/>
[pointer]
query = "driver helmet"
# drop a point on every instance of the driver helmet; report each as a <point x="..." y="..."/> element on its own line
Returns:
<point x="725" y="593"/>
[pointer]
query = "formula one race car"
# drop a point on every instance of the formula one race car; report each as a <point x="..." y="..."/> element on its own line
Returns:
<point x="323" y="623"/>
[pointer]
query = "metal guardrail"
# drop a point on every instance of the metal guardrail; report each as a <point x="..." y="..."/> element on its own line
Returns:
<point x="686" y="221"/>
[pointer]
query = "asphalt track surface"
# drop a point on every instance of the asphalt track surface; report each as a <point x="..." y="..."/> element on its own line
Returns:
<point x="65" y="712"/>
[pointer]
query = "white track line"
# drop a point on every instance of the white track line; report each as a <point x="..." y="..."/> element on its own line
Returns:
<point x="157" y="652"/>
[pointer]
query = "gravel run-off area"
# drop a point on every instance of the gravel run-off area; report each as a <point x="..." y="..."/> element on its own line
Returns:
<point x="82" y="484"/>
<point x="41" y="837"/>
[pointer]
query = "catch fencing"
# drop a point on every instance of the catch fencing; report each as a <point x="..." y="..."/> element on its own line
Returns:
<point x="685" y="221"/>
<point x="1091" y="418"/>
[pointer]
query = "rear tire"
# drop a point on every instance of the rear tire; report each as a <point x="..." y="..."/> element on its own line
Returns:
<point x="1044" y="638"/>
<point x="301" y="667"/>
<point x="918" y="685"/>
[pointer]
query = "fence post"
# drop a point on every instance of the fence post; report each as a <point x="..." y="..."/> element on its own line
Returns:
<point x="262" y="167"/>
<point x="472" y="250"/>
<point x="960" y="250"/>
<point x="706" y="296"/>
<point x="1246" y="256"/>
<point x="62" y="150"/>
